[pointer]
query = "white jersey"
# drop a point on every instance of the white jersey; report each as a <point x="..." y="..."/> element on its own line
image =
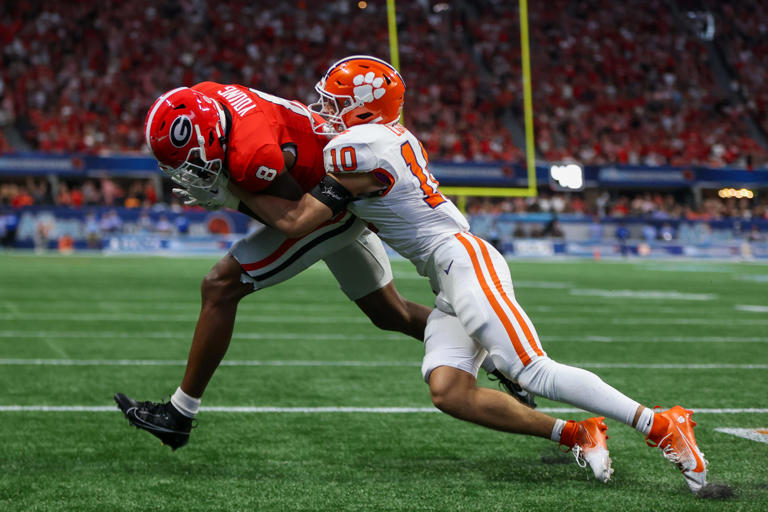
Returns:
<point x="411" y="215"/>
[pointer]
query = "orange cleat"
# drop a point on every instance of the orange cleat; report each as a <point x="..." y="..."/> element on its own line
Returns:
<point x="587" y="441"/>
<point x="678" y="445"/>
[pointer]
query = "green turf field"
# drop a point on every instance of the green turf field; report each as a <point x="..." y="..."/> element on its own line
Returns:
<point x="74" y="330"/>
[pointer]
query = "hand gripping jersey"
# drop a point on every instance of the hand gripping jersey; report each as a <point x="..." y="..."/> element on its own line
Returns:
<point x="411" y="214"/>
<point x="262" y="125"/>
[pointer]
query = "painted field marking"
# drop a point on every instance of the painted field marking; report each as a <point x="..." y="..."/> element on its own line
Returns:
<point x="656" y="339"/>
<point x="649" y="321"/>
<point x="751" y="308"/>
<point x="300" y="363"/>
<point x="755" y="278"/>
<point x="185" y="336"/>
<point x="753" y="434"/>
<point x="692" y="267"/>
<point x="643" y="294"/>
<point x="147" y="318"/>
<point x="541" y="284"/>
<point x="310" y="410"/>
<point x="336" y="319"/>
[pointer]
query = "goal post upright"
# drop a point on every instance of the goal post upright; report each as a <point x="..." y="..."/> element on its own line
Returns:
<point x="530" y="149"/>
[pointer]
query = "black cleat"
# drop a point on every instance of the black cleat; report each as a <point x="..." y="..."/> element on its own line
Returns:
<point x="513" y="388"/>
<point x="161" y="420"/>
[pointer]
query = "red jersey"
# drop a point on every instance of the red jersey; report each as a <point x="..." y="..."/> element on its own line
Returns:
<point x="262" y="126"/>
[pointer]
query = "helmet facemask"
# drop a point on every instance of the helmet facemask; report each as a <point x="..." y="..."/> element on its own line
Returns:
<point x="196" y="171"/>
<point x="333" y="108"/>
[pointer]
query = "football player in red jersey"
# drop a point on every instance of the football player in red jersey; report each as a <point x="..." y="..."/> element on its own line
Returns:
<point x="210" y="134"/>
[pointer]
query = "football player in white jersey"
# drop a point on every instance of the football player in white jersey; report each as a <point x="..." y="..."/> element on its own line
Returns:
<point x="378" y="170"/>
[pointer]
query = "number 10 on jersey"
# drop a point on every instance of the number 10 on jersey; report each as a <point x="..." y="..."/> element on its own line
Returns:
<point x="427" y="182"/>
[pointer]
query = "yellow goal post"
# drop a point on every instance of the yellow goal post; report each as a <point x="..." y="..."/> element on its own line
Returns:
<point x="530" y="152"/>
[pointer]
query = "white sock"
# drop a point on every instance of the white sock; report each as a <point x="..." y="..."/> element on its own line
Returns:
<point x="186" y="405"/>
<point x="557" y="430"/>
<point x="645" y="422"/>
<point x="549" y="379"/>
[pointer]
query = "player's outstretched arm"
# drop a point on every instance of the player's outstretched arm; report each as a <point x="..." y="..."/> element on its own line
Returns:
<point x="292" y="218"/>
<point x="297" y="218"/>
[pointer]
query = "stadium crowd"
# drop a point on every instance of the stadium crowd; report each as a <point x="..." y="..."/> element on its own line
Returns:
<point x="646" y="205"/>
<point x="142" y="193"/>
<point x="104" y="191"/>
<point x="627" y="82"/>
<point x="613" y="82"/>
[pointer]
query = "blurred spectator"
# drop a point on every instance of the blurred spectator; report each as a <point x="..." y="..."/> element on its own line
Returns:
<point x="92" y="231"/>
<point x="163" y="226"/>
<point x="649" y="232"/>
<point x="182" y="224"/>
<point x="110" y="191"/>
<point x="145" y="224"/>
<point x="622" y="235"/>
<point x="111" y="222"/>
<point x="91" y="195"/>
<point x="596" y="229"/>
<point x="667" y="232"/>
<point x="10" y="223"/>
<point x="755" y="235"/>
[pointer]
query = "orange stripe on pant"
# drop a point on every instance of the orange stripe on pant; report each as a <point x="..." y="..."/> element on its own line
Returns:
<point x="519" y="349"/>
<point x="515" y="311"/>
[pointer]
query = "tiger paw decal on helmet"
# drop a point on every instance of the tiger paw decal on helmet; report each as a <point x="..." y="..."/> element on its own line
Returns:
<point x="359" y="89"/>
<point x="368" y="88"/>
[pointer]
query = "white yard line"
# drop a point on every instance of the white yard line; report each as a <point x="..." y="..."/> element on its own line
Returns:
<point x="751" y="308"/>
<point x="375" y="410"/>
<point x="145" y="318"/>
<point x="655" y="339"/>
<point x="558" y="319"/>
<point x="290" y="363"/>
<point x="753" y="434"/>
<point x="186" y="335"/>
<point x="643" y="294"/>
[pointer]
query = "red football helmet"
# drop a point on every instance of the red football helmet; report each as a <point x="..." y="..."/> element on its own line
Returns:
<point x="359" y="90"/>
<point x="186" y="133"/>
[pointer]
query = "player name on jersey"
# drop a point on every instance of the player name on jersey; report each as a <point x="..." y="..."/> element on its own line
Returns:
<point x="238" y="99"/>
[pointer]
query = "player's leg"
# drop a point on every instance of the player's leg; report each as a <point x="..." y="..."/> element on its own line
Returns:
<point x="364" y="274"/>
<point x="262" y="259"/>
<point x="450" y="366"/>
<point x="390" y="311"/>
<point x="221" y="291"/>
<point x="502" y="327"/>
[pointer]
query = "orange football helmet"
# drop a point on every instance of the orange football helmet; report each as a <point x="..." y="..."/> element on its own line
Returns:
<point x="359" y="90"/>
<point x="186" y="133"/>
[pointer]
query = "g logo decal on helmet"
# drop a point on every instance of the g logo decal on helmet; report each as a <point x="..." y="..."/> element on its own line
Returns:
<point x="181" y="131"/>
<point x="186" y="132"/>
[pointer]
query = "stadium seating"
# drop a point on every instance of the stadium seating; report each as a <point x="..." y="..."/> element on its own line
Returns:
<point x="612" y="83"/>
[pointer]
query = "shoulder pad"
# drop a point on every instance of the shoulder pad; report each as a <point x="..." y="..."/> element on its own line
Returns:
<point x="348" y="153"/>
<point x="361" y="148"/>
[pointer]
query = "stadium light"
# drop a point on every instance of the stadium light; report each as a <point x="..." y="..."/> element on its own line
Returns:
<point x="742" y="193"/>
<point x="567" y="176"/>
